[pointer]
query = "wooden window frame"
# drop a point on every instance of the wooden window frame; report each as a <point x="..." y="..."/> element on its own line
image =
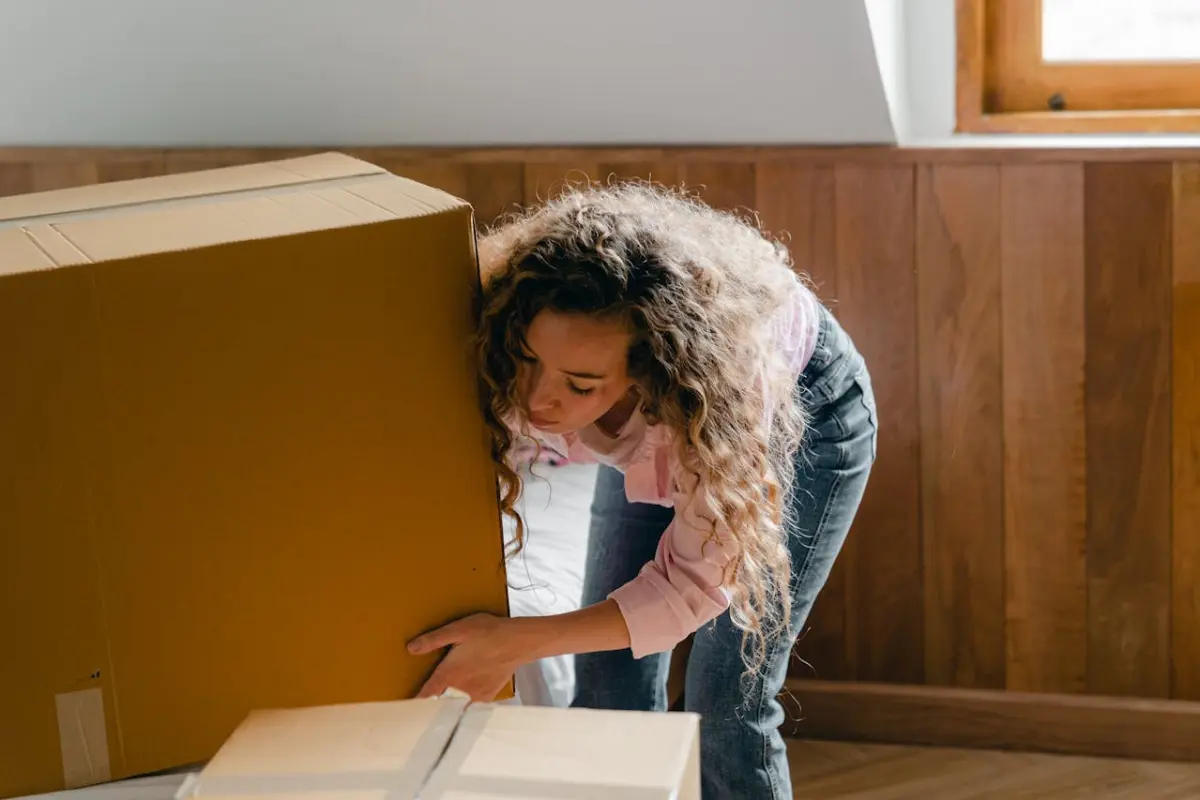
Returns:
<point x="1003" y="86"/>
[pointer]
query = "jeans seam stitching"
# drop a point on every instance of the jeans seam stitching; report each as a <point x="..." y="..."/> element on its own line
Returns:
<point x="762" y="704"/>
<point x="833" y="374"/>
<point x="870" y="407"/>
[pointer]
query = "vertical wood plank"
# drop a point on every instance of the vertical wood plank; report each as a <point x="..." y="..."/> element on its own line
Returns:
<point x="545" y="181"/>
<point x="877" y="305"/>
<point x="795" y="204"/>
<point x="15" y="178"/>
<point x="1128" y="305"/>
<point x="727" y="186"/>
<point x="143" y="165"/>
<point x="50" y="175"/>
<point x="667" y="173"/>
<point x="1185" y="409"/>
<point x="187" y="160"/>
<point x="1045" y="457"/>
<point x="958" y="313"/>
<point x="495" y="190"/>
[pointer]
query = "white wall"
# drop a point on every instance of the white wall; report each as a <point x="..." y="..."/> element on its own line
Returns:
<point x="889" y="30"/>
<point x="931" y="57"/>
<point x="281" y="72"/>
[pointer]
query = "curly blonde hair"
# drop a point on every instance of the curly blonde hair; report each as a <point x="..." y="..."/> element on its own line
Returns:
<point x="698" y="288"/>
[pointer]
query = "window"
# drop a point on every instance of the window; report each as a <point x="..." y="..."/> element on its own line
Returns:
<point x="1079" y="66"/>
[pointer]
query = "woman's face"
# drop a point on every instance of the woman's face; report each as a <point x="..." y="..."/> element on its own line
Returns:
<point x="573" y="370"/>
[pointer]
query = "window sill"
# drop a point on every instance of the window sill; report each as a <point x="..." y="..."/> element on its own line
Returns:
<point x="1059" y="141"/>
<point x="1113" y="123"/>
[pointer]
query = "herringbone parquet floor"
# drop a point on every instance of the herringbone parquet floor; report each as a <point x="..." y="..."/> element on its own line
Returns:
<point x="844" y="771"/>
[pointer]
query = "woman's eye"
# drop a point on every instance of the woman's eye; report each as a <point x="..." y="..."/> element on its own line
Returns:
<point x="579" y="390"/>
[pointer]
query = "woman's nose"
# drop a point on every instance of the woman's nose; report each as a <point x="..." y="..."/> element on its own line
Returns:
<point x="542" y="401"/>
<point x="541" y="395"/>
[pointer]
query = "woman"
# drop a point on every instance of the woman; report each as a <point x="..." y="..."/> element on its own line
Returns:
<point x="675" y="345"/>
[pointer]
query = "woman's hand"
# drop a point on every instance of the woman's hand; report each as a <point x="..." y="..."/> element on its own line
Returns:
<point x="486" y="650"/>
<point x="484" y="655"/>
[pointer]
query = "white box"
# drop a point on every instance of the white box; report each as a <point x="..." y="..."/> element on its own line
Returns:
<point x="447" y="749"/>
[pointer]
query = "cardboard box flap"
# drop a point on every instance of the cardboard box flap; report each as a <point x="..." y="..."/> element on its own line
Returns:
<point x="504" y="751"/>
<point x="20" y="253"/>
<point x="242" y="218"/>
<point x="289" y="172"/>
<point x="406" y="198"/>
<point x="386" y="747"/>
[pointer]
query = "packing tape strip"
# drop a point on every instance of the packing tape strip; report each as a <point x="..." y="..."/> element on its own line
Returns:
<point x="83" y="737"/>
<point x="446" y="778"/>
<point x="402" y="783"/>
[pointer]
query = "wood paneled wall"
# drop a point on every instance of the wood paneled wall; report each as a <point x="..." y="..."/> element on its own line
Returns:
<point x="1032" y="322"/>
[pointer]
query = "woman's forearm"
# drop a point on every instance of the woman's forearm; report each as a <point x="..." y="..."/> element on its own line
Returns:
<point x="591" y="629"/>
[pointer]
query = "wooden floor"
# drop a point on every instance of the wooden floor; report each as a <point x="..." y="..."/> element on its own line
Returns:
<point x="842" y="771"/>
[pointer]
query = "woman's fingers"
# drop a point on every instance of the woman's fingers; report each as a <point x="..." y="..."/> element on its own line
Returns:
<point x="437" y="639"/>
<point x="482" y="685"/>
<point x="433" y="687"/>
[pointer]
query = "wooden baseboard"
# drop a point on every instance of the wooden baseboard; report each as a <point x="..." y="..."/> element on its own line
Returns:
<point x="1112" y="727"/>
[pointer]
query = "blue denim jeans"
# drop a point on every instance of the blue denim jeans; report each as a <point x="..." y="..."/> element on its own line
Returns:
<point x="743" y="756"/>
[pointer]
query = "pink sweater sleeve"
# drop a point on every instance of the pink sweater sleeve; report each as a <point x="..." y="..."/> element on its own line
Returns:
<point x="681" y="589"/>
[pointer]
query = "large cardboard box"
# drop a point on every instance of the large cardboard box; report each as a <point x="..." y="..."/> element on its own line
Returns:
<point x="444" y="749"/>
<point x="241" y="461"/>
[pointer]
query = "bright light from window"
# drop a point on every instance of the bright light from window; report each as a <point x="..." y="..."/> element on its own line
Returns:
<point x="1120" y="30"/>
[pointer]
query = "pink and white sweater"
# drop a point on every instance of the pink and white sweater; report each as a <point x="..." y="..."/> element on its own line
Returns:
<point x="680" y="590"/>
